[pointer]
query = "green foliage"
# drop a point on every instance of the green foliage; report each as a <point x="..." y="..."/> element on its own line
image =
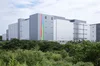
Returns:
<point x="83" y="64"/>
<point x="0" y="38"/>
<point x="35" y="58"/>
<point x="47" y="53"/>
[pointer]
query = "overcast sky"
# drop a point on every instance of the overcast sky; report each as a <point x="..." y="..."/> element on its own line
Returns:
<point x="11" y="10"/>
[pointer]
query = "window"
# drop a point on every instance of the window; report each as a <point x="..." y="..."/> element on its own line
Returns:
<point x="51" y="18"/>
<point x="45" y="17"/>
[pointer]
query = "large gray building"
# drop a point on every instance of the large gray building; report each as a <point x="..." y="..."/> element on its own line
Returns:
<point x="48" y="27"/>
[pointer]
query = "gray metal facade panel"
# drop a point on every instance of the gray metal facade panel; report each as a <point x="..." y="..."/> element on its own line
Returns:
<point x="33" y="27"/>
<point x="76" y="31"/>
<point x="19" y="20"/>
<point x="7" y="34"/>
<point x="48" y="28"/>
<point x="39" y="19"/>
<point x="97" y="32"/>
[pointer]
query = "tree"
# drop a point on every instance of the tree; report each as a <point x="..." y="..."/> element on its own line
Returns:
<point x="0" y="38"/>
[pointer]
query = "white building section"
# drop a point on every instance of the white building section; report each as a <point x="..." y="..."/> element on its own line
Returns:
<point x="63" y="30"/>
<point x="13" y="31"/>
<point x="80" y="30"/>
<point x="87" y="32"/>
<point x="93" y="32"/>
<point x="24" y="29"/>
<point x="4" y="37"/>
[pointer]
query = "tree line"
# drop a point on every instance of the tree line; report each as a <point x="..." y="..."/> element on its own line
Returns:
<point x="48" y="53"/>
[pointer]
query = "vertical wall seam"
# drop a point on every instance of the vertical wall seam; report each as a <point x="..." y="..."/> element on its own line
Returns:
<point x="41" y="27"/>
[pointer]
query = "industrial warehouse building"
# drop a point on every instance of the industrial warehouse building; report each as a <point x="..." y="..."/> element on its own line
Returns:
<point x="95" y="32"/>
<point x="23" y="29"/>
<point x="49" y="27"/>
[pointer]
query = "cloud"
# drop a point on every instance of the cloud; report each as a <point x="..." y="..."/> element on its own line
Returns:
<point x="11" y="10"/>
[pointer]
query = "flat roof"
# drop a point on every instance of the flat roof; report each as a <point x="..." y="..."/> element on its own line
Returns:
<point x="73" y="20"/>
